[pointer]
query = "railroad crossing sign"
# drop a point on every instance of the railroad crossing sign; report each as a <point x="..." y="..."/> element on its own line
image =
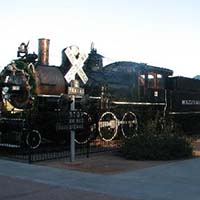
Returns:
<point x="77" y="59"/>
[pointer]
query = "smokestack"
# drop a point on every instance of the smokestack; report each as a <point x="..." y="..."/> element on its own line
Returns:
<point x="43" y="51"/>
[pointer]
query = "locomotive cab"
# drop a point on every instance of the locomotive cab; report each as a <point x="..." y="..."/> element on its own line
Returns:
<point x="152" y="82"/>
<point x="130" y="81"/>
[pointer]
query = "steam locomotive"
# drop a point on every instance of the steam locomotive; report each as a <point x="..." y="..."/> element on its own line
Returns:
<point x="34" y="104"/>
<point x="118" y="98"/>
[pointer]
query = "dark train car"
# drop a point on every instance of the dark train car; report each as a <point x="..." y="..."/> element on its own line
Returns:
<point x="183" y="102"/>
<point x="184" y="94"/>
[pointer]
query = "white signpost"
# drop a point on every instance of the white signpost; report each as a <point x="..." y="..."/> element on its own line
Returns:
<point x="77" y="60"/>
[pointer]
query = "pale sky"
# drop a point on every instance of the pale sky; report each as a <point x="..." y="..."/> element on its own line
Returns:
<point x="163" y="33"/>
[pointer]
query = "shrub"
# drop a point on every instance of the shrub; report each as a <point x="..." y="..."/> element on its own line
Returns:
<point x="153" y="143"/>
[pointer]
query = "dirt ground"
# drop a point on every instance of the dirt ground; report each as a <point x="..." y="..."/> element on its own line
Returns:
<point x="108" y="163"/>
<point x="102" y="163"/>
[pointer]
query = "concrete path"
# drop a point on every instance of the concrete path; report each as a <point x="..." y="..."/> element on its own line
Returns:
<point x="175" y="181"/>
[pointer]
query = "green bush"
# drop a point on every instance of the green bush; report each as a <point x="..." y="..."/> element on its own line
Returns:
<point x="153" y="143"/>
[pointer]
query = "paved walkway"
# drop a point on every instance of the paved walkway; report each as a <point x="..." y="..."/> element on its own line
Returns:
<point x="175" y="181"/>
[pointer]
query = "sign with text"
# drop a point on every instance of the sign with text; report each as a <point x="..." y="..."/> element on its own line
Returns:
<point x="75" y="91"/>
<point x="75" y="120"/>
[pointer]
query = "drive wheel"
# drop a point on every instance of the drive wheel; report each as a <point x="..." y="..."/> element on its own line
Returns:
<point x="129" y="125"/>
<point x="108" y="126"/>
<point x="33" y="139"/>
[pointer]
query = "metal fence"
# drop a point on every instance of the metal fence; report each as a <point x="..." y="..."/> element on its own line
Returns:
<point x="52" y="151"/>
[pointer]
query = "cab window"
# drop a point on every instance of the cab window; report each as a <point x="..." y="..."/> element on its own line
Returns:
<point x="160" y="81"/>
<point x="141" y="80"/>
<point x="151" y="80"/>
<point x="155" y="81"/>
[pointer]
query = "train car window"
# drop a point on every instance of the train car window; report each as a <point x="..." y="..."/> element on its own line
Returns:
<point x="160" y="81"/>
<point x="151" y="80"/>
<point x="142" y="79"/>
<point x="141" y="82"/>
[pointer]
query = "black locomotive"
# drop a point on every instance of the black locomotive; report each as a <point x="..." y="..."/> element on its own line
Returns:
<point x="35" y="100"/>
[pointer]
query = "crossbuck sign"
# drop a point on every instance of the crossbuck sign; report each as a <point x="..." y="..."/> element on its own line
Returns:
<point x="77" y="60"/>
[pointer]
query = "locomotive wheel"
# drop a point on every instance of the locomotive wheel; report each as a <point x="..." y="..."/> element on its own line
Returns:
<point x="33" y="139"/>
<point x="129" y="125"/>
<point x="82" y="135"/>
<point x="108" y="126"/>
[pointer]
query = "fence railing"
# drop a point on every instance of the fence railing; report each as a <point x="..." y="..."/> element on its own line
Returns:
<point x="52" y="151"/>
